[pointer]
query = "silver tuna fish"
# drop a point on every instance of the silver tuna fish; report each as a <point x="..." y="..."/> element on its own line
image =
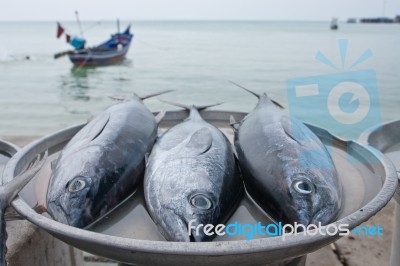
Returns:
<point x="191" y="175"/>
<point x="102" y="164"/>
<point x="286" y="168"/>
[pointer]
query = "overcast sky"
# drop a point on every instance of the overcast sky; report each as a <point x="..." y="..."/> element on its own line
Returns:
<point x="51" y="10"/>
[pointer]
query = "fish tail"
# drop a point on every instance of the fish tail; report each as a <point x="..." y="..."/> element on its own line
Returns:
<point x="135" y="96"/>
<point x="240" y="86"/>
<point x="233" y="123"/>
<point x="154" y="94"/>
<point x="159" y="116"/>
<point x="12" y="188"/>
<point x="189" y="107"/>
<point x="258" y="95"/>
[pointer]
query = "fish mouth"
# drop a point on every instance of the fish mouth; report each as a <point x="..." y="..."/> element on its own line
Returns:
<point x="303" y="218"/>
<point x="324" y="216"/>
<point x="176" y="228"/>
<point x="57" y="212"/>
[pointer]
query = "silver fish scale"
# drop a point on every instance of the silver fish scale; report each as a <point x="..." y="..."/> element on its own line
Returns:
<point x="192" y="158"/>
<point x="107" y="157"/>
<point x="276" y="151"/>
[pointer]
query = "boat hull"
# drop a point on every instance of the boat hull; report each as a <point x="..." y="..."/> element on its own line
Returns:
<point x="98" y="58"/>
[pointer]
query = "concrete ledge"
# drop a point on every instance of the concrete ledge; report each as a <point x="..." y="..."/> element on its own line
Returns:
<point x="29" y="245"/>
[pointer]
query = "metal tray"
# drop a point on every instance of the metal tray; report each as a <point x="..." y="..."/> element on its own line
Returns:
<point x="386" y="138"/>
<point x="128" y="234"/>
<point x="7" y="150"/>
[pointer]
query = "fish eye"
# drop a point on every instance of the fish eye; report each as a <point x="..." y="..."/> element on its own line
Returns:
<point x="201" y="202"/>
<point x="303" y="186"/>
<point x="76" y="184"/>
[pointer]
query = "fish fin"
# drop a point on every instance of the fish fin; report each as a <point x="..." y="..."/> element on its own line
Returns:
<point x="184" y="106"/>
<point x="154" y="94"/>
<point x="201" y="141"/>
<point x="287" y="127"/>
<point x="12" y="188"/>
<point x="235" y="125"/>
<point x="202" y="107"/>
<point x="292" y="125"/>
<point x="53" y="164"/>
<point x="277" y="104"/>
<point x="135" y="96"/>
<point x="257" y="95"/>
<point x="240" y="86"/>
<point x="89" y="132"/>
<point x="189" y="107"/>
<point x="160" y="116"/>
<point x="98" y="126"/>
<point x="287" y="132"/>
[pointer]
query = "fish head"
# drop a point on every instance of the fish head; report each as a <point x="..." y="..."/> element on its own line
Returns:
<point x="185" y="222"/>
<point x="70" y="196"/>
<point x="314" y="199"/>
<point x="186" y="203"/>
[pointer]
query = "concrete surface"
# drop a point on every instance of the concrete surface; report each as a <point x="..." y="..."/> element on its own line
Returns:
<point x="29" y="245"/>
<point x="370" y="250"/>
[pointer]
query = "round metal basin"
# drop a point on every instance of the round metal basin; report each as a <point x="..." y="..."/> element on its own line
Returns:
<point x="128" y="234"/>
<point x="7" y="150"/>
<point x="385" y="138"/>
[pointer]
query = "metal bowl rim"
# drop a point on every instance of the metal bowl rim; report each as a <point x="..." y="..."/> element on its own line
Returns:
<point x="365" y="138"/>
<point x="366" y="134"/>
<point x="10" y="148"/>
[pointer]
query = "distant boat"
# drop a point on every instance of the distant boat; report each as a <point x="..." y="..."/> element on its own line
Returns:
<point x="111" y="51"/>
<point x="352" y="20"/>
<point x="334" y="24"/>
<point x="377" y="20"/>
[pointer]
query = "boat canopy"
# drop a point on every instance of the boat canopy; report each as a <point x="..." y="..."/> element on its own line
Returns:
<point x="78" y="43"/>
<point x="123" y="39"/>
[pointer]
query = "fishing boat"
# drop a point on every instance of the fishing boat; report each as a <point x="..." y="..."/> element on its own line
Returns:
<point x="111" y="51"/>
<point x="334" y="24"/>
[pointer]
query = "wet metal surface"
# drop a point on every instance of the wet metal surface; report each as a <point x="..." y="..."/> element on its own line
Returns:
<point x="386" y="138"/>
<point x="6" y="151"/>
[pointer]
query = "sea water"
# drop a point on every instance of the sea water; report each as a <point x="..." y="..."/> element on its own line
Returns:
<point x="39" y="95"/>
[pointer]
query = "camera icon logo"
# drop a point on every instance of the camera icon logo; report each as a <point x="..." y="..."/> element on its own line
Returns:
<point x="345" y="103"/>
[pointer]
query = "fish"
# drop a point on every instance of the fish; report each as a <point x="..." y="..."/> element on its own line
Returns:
<point x="9" y="191"/>
<point x="103" y="163"/>
<point x="286" y="169"/>
<point x="191" y="178"/>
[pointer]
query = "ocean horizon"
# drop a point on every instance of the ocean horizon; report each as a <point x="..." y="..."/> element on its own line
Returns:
<point x="197" y="59"/>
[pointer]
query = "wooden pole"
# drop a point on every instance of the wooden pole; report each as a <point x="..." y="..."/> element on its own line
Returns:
<point x="79" y="23"/>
